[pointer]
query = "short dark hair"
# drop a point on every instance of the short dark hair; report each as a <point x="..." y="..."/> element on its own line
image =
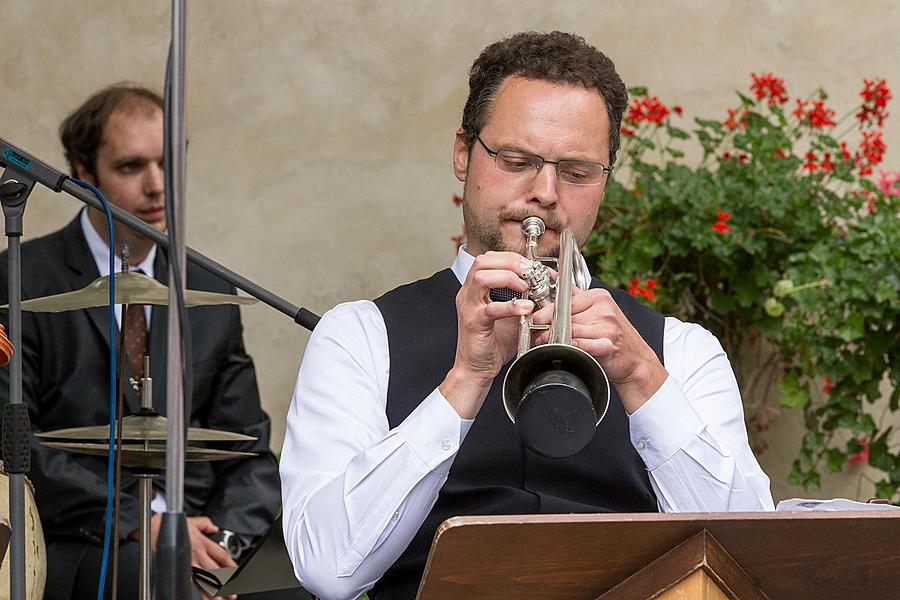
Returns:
<point x="81" y="132"/>
<point x="556" y="57"/>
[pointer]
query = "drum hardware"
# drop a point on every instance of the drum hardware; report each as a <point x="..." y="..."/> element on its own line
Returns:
<point x="555" y="393"/>
<point x="141" y="450"/>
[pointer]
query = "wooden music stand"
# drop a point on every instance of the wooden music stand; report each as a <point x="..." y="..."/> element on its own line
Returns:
<point x="735" y="556"/>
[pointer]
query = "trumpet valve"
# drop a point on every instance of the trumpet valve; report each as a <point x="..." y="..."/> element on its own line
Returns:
<point x="541" y="288"/>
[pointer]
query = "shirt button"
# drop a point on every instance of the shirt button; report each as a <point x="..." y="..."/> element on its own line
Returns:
<point x="641" y="444"/>
<point x="395" y="516"/>
<point x="445" y="444"/>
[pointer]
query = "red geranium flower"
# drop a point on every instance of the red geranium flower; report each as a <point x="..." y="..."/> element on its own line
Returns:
<point x="875" y="97"/>
<point x="733" y="123"/>
<point x="626" y="131"/>
<point x="646" y="108"/>
<point x="871" y="151"/>
<point x="721" y="226"/>
<point x="636" y="290"/>
<point x="817" y="116"/>
<point x="810" y="164"/>
<point x="769" y="86"/>
<point x="828" y="386"/>
<point x="863" y="455"/>
<point x="677" y="110"/>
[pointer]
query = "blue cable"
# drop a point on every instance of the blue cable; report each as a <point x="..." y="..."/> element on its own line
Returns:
<point x="107" y="532"/>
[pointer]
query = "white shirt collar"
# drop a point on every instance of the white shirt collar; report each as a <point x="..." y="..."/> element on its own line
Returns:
<point x="100" y="251"/>
<point x="462" y="264"/>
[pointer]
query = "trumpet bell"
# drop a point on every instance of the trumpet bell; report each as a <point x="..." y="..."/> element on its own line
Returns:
<point x="556" y="395"/>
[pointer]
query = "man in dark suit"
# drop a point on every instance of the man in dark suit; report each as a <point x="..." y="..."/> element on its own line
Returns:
<point x="115" y="141"/>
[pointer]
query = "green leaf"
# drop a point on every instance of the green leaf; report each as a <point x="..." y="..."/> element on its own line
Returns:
<point x="835" y="460"/>
<point x="879" y="455"/>
<point x="793" y="394"/>
<point x="677" y="133"/>
<point x="852" y="329"/>
<point x="637" y="91"/>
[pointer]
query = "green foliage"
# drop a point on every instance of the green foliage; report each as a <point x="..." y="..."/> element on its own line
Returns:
<point x="777" y="243"/>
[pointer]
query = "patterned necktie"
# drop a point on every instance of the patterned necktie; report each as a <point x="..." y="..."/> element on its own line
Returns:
<point x="136" y="339"/>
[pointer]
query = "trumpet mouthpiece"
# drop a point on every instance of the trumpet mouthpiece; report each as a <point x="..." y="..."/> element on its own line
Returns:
<point x="533" y="226"/>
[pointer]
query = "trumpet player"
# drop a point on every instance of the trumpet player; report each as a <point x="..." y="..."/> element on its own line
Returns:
<point x="397" y="422"/>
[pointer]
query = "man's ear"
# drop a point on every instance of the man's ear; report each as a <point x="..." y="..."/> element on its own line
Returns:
<point x="460" y="155"/>
<point x="85" y="174"/>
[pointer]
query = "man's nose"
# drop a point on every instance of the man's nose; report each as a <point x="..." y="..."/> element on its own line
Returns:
<point x="155" y="180"/>
<point x="544" y="186"/>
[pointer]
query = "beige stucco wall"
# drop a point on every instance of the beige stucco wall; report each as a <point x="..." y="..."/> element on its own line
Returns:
<point x="320" y="131"/>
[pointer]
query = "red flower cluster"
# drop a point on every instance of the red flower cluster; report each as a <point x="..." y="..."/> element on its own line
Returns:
<point x="828" y="385"/>
<point x="845" y="152"/>
<point x="626" y="131"/>
<point x="863" y="455"/>
<point x="871" y="151"/>
<point x="646" y="109"/>
<point x="811" y="165"/>
<point x="769" y="86"/>
<point x="875" y="97"/>
<point x="742" y="158"/>
<point x="735" y="120"/>
<point x="721" y="226"/>
<point x="647" y="292"/>
<point x="817" y="116"/>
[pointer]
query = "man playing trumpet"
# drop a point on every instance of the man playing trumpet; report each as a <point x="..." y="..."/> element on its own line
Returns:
<point x="397" y="422"/>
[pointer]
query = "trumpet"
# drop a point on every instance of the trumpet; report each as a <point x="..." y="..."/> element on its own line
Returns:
<point x="555" y="393"/>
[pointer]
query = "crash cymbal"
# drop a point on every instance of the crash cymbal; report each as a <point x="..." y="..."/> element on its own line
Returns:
<point x="150" y="428"/>
<point x="131" y="288"/>
<point x="136" y="456"/>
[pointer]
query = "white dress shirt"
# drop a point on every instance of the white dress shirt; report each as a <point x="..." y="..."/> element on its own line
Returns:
<point x="355" y="492"/>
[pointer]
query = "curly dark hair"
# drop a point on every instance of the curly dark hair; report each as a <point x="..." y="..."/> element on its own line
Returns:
<point x="81" y="132"/>
<point x="557" y="57"/>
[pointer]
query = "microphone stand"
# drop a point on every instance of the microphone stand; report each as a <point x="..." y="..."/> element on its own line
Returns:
<point x="43" y="173"/>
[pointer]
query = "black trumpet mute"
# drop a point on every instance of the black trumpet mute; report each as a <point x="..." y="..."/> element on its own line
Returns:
<point x="556" y="395"/>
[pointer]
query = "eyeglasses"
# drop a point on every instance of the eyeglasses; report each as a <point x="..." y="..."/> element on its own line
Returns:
<point x="572" y="172"/>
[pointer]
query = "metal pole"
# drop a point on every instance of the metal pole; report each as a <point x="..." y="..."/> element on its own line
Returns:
<point x="175" y="388"/>
<point x="16" y="480"/>
<point x="173" y="551"/>
<point x="145" y="493"/>
<point x="17" y="451"/>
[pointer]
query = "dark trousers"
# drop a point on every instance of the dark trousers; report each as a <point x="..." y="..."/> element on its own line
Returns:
<point x="73" y="572"/>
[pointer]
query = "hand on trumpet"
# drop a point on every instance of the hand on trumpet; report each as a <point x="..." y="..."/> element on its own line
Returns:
<point x="601" y="329"/>
<point x="487" y="331"/>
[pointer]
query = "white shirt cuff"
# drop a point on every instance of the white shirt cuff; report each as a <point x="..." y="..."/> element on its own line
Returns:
<point x="665" y="424"/>
<point x="434" y="430"/>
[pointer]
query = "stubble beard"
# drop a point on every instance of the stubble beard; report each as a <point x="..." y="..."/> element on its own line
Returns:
<point x="486" y="234"/>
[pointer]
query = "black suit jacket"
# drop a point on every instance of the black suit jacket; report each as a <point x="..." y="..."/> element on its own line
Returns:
<point x="66" y="384"/>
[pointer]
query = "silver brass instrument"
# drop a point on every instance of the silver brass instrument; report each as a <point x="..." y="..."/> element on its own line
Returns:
<point x="555" y="393"/>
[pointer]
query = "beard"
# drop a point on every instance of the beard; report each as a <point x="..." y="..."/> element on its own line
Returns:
<point x="485" y="230"/>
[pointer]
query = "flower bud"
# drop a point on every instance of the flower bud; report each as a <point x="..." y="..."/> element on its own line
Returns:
<point x="773" y="307"/>
<point x="783" y="288"/>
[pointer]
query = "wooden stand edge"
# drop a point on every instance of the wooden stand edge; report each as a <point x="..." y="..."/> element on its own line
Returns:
<point x="697" y="569"/>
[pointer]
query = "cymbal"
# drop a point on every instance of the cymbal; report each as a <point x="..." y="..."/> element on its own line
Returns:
<point x="150" y="428"/>
<point x="131" y="288"/>
<point x="136" y="456"/>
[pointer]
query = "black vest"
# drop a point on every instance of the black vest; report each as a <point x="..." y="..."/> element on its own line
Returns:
<point x="493" y="473"/>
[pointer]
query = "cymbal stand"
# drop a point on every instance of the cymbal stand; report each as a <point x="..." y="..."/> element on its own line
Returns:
<point x="15" y="187"/>
<point x="145" y="491"/>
